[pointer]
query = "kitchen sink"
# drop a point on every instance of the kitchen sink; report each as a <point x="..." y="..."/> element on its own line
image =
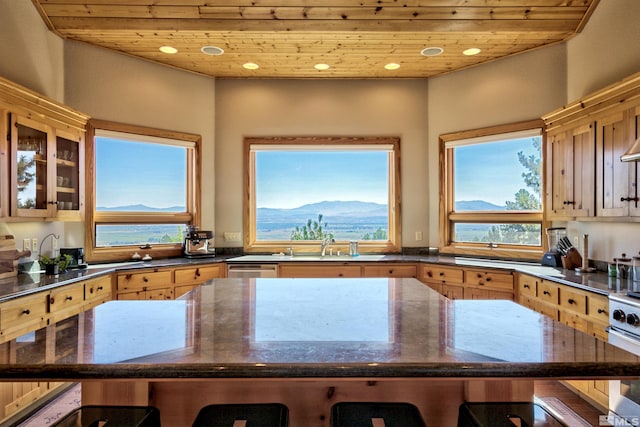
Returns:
<point x="303" y="257"/>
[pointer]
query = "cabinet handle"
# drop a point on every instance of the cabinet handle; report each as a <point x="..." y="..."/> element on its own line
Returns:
<point x="52" y="300"/>
<point x="69" y="298"/>
<point x="601" y="311"/>
<point x="488" y="279"/>
<point x="569" y="202"/>
<point x="390" y="271"/>
<point x="26" y="311"/>
<point x="546" y="292"/>
<point x="479" y="275"/>
<point x="100" y="288"/>
<point x="90" y="290"/>
<point x="629" y="199"/>
<point x="526" y="286"/>
<point x="52" y="202"/>
<point x="442" y="273"/>
<point x="571" y="301"/>
<point x="197" y="272"/>
<point x="144" y="279"/>
<point x="429" y="274"/>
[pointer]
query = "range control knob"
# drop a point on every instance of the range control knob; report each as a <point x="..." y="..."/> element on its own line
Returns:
<point x="633" y="319"/>
<point x="619" y="315"/>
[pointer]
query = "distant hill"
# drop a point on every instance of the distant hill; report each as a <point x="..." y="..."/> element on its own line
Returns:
<point x="477" y="205"/>
<point x="327" y="209"/>
<point x="140" y="208"/>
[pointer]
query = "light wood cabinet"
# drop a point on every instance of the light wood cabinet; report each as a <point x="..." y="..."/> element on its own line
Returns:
<point x="583" y="310"/>
<point x="97" y="291"/>
<point x="45" y="156"/>
<point x="468" y="283"/>
<point x="571" y="160"/>
<point x="326" y="269"/>
<point x="65" y="301"/>
<point x="22" y="315"/>
<point x="165" y="283"/>
<point x="389" y="270"/>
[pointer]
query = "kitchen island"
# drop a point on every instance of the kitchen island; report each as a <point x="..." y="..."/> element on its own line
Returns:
<point x="309" y="343"/>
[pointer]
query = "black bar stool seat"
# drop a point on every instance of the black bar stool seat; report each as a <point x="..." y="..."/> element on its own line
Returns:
<point x="375" y="414"/>
<point x="111" y="416"/>
<point x="505" y="414"/>
<point x="243" y="415"/>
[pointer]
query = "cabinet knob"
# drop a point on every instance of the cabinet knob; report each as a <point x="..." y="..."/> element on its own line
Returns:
<point x="546" y="292"/>
<point x="429" y="274"/>
<point x="26" y="311"/>
<point x="144" y="279"/>
<point x="571" y="301"/>
<point x="100" y="288"/>
<point x="601" y="311"/>
<point x="68" y="298"/>
<point x="442" y="273"/>
<point x="197" y="272"/>
<point x="526" y="286"/>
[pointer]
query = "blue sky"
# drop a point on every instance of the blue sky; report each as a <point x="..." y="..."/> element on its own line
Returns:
<point x="119" y="184"/>
<point x="292" y="179"/>
<point x="480" y="167"/>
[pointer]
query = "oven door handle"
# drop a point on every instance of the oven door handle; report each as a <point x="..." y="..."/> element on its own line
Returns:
<point x="624" y="340"/>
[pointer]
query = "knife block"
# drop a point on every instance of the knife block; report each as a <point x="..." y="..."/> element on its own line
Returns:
<point x="572" y="259"/>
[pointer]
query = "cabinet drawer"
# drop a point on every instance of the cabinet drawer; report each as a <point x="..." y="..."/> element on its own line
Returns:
<point x="316" y="270"/>
<point x="97" y="291"/>
<point x="390" y="270"/>
<point x="65" y="301"/>
<point x="197" y="274"/>
<point x="441" y="274"/>
<point x="598" y="308"/>
<point x="548" y="292"/>
<point x="548" y="310"/>
<point x="22" y="315"/>
<point x="573" y="301"/>
<point x="575" y="321"/>
<point x="527" y="286"/>
<point x="143" y="280"/>
<point x="489" y="279"/>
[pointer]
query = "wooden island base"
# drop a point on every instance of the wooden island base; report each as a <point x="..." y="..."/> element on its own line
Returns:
<point x="309" y="400"/>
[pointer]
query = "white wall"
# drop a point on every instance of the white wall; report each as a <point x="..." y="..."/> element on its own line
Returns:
<point x="31" y="55"/>
<point x="116" y="87"/>
<point x="327" y="108"/>
<point x="514" y="89"/>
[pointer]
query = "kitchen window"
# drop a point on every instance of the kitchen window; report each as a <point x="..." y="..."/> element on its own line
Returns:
<point x="491" y="203"/>
<point x="142" y="191"/>
<point x="302" y="190"/>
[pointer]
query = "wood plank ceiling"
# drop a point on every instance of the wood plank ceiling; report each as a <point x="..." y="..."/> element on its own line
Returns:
<point x="287" y="38"/>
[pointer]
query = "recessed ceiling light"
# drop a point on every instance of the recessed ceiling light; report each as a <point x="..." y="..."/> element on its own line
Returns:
<point x="392" y="66"/>
<point x="251" y="66"/>
<point x="431" y="51"/>
<point x="321" y="67"/>
<point x="212" y="50"/>
<point x="471" y="51"/>
<point x="168" y="49"/>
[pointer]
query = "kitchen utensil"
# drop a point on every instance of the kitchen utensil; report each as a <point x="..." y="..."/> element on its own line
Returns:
<point x="9" y="256"/>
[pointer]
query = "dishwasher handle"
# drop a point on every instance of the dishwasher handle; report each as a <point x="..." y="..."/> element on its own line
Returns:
<point x="252" y="270"/>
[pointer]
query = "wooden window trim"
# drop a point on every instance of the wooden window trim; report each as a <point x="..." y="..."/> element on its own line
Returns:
<point x="251" y="245"/>
<point x="192" y="215"/>
<point x="448" y="217"/>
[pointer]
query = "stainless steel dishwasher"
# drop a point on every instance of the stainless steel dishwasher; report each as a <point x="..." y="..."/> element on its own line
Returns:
<point x="252" y="270"/>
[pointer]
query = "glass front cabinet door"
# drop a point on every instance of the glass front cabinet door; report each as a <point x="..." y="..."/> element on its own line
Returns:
<point x="46" y="170"/>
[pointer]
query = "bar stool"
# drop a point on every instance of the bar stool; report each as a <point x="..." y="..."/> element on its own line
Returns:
<point x="505" y="414"/>
<point x="111" y="416"/>
<point x="375" y="414"/>
<point x="243" y="415"/>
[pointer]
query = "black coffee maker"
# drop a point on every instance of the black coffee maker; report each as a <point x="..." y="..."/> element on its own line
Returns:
<point x="198" y="243"/>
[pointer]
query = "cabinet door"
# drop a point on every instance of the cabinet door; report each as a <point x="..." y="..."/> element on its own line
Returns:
<point x="30" y="173"/>
<point x="65" y="301"/>
<point x="318" y="270"/>
<point x="572" y="172"/>
<point x="453" y="291"/>
<point x="97" y="291"/>
<point x="69" y="174"/>
<point x="142" y="281"/>
<point x="613" y="176"/>
<point x="198" y="274"/>
<point x="633" y="132"/>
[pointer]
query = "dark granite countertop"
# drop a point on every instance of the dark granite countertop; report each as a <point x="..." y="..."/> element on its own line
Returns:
<point x="313" y="328"/>
<point x="24" y="284"/>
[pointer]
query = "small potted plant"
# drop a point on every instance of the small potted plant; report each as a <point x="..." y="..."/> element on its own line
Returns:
<point x="56" y="265"/>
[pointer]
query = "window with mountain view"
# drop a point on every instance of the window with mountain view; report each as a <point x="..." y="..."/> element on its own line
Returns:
<point x="304" y="190"/>
<point x="493" y="185"/>
<point x="143" y="188"/>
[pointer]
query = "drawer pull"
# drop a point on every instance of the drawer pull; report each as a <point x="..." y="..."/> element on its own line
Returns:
<point x="144" y="279"/>
<point x="442" y="273"/>
<point x="526" y="286"/>
<point x="571" y="301"/>
<point x="100" y="288"/>
<point x="546" y="293"/>
<point x="488" y="279"/>
<point x="601" y="311"/>
<point x="52" y="300"/>
<point x="429" y="274"/>
<point x="197" y="272"/>
<point x="26" y="311"/>
<point x="69" y="298"/>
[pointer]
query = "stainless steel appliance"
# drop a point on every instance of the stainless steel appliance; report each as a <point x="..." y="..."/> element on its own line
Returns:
<point x="198" y="243"/>
<point x="624" y="332"/>
<point x="252" y="270"/>
<point x="77" y="257"/>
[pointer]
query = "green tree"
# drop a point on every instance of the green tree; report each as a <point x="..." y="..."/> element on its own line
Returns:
<point x="26" y="175"/>
<point x="312" y="230"/>
<point x="379" y="234"/>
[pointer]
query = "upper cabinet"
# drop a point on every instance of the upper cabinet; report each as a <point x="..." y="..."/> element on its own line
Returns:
<point x="585" y="177"/>
<point x="43" y="176"/>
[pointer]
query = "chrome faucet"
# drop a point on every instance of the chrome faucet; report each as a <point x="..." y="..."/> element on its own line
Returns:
<point x="326" y="242"/>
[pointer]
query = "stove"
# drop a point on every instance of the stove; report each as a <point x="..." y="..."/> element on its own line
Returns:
<point x="624" y="332"/>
